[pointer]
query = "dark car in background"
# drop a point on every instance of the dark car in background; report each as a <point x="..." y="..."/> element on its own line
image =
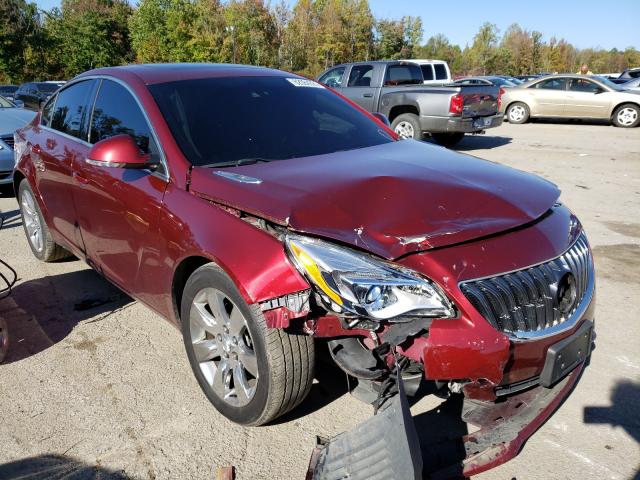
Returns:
<point x="494" y="80"/>
<point x="34" y="94"/>
<point x="313" y="221"/>
<point x="8" y="91"/>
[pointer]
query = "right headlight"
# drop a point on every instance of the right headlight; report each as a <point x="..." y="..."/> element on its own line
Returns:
<point x="352" y="282"/>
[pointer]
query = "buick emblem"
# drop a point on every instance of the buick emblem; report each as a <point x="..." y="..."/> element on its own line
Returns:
<point x="566" y="294"/>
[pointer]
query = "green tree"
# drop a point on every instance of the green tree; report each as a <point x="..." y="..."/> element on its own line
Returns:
<point x="483" y="51"/>
<point x="87" y="34"/>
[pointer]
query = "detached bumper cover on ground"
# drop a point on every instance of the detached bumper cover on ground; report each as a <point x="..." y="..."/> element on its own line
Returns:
<point x="387" y="446"/>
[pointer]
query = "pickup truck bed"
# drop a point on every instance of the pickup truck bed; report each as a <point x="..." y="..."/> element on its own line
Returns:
<point x="395" y="89"/>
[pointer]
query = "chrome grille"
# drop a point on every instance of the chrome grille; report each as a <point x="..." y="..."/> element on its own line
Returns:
<point x="539" y="300"/>
<point x="8" y="139"/>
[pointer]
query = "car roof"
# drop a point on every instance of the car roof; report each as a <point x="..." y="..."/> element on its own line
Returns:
<point x="170" y="72"/>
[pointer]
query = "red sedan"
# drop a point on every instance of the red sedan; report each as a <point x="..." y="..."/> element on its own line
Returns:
<point x="257" y="211"/>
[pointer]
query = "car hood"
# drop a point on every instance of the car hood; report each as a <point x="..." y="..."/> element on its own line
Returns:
<point x="391" y="199"/>
<point x="12" y="119"/>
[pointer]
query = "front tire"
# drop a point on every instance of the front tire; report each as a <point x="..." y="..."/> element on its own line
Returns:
<point x="407" y="125"/>
<point x="626" y="116"/>
<point x="448" y="140"/>
<point x="518" y="113"/>
<point x="35" y="228"/>
<point x="252" y="374"/>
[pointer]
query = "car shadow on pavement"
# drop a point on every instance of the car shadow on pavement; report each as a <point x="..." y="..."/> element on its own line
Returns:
<point x="42" y="312"/>
<point x="10" y="219"/>
<point x="624" y="411"/>
<point x="56" y="466"/>
<point x="481" y="142"/>
<point x="572" y="121"/>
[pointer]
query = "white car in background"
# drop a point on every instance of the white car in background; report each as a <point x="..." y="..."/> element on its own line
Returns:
<point x="433" y="71"/>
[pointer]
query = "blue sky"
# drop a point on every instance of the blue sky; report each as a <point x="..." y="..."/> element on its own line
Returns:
<point x="585" y="23"/>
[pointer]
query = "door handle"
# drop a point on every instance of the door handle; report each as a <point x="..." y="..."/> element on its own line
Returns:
<point x="368" y="95"/>
<point x="81" y="179"/>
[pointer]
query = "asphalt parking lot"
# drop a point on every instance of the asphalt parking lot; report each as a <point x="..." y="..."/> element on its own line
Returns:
<point x="95" y="382"/>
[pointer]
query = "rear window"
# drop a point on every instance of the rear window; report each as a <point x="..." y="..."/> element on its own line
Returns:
<point x="441" y="71"/>
<point x="7" y="89"/>
<point x="221" y="121"/>
<point x="427" y="72"/>
<point x="403" y="74"/>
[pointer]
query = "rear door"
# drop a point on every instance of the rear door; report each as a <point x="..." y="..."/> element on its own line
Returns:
<point x="360" y="87"/>
<point x="59" y="143"/>
<point x="586" y="99"/>
<point x="118" y="208"/>
<point x="549" y="97"/>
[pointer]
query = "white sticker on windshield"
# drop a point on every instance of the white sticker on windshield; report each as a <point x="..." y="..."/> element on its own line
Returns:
<point x="303" y="82"/>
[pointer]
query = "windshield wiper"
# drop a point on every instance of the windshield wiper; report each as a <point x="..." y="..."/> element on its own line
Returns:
<point x="239" y="162"/>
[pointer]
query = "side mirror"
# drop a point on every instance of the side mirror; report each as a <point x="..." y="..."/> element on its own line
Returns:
<point x="18" y="103"/>
<point x="120" y="151"/>
<point x="383" y="118"/>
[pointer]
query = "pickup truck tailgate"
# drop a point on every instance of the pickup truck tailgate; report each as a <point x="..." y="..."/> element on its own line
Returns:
<point x="479" y="100"/>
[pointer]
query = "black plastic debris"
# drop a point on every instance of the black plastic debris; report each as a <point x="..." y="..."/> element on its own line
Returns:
<point x="384" y="447"/>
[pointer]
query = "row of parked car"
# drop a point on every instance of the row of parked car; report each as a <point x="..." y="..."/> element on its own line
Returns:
<point x="416" y="98"/>
<point x="420" y="98"/>
<point x="31" y="95"/>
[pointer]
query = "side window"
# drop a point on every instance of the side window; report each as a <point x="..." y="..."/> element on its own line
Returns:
<point x="116" y="112"/>
<point x="441" y="71"/>
<point x="69" y="114"/>
<point x="333" y="78"/>
<point x="427" y="72"/>
<point x="403" y="74"/>
<point x="582" y="85"/>
<point x="45" y="118"/>
<point x="360" y="76"/>
<point x="552" y="84"/>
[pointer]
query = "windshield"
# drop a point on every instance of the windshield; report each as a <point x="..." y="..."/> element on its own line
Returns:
<point x="225" y="120"/>
<point x="4" y="103"/>
<point x="610" y="84"/>
<point x="48" y="87"/>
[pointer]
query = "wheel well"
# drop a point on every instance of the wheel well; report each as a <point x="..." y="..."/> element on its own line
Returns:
<point x="400" y="109"/>
<point x="180" y="277"/>
<point x="17" y="178"/>
<point x="517" y="101"/>
<point x="621" y="104"/>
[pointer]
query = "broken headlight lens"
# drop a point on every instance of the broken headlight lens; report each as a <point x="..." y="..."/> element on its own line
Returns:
<point x="352" y="282"/>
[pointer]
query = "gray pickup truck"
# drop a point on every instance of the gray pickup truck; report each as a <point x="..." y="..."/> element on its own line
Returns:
<point x="395" y="89"/>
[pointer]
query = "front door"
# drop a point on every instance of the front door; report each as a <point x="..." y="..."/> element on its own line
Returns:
<point x="586" y="99"/>
<point x="359" y="87"/>
<point x="118" y="208"/>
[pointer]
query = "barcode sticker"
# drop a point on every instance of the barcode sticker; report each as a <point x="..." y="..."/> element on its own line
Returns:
<point x="303" y="82"/>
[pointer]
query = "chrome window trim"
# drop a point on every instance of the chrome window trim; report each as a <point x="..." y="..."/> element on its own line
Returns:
<point x="163" y="160"/>
<point x="569" y="323"/>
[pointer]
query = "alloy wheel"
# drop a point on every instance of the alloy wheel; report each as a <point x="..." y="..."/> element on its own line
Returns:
<point x="405" y="130"/>
<point x="32" y="221"/>
<point x="223" y="347"/>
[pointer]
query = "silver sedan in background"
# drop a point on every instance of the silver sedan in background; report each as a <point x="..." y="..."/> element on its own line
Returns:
<point x="11" y="118"/>
<point x="572" y="96"/>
